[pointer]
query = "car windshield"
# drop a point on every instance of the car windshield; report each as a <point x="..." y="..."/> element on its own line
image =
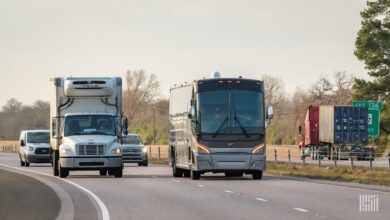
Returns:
<point x="89" y="125"/>
<point x="38" y="137"/>
<point x="237" y="113"/>
<point x="132" y="140"/>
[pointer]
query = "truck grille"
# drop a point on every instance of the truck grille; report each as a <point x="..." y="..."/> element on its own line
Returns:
<point x="42" y="151"/>
<point x="90" y="149"/>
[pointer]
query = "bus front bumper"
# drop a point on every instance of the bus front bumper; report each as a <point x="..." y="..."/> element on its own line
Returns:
<point x="230" y="162"/>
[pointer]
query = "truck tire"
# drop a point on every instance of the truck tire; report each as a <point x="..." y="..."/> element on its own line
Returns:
<point x="257" y="175"/>
<point x="22" y="163"/>
<point x="55" y="162"/>
<point x="195" y="175"/>
<point x="103" y="172"/>
<point x="176" y="172"/>
<point x="118" y="172"/>
<point x="62" y="172"/>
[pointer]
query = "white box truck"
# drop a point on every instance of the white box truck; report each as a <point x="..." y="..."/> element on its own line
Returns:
<point x="87" y="125"/>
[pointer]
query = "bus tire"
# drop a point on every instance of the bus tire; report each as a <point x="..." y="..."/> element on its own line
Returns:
<point x="257" y="175"/>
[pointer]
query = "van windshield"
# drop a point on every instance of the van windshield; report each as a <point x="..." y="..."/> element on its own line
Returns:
<point x="38" y="137"/>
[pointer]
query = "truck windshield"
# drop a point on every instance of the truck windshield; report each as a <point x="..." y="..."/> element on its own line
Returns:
<point x="227" y="113"/>
<point x="89" y="125"/>
<point x="132" y="140"/>
<point x="38" y="137"/>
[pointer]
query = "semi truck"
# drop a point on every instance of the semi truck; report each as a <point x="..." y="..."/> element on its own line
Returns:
<point x="218" y="125"/>
<point x="87" y="125"/>
<point x="331" y="131"/>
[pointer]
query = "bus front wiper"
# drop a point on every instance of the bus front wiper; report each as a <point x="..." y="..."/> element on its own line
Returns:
<point x="242" y="127"/>
<point x="221" y="126"/>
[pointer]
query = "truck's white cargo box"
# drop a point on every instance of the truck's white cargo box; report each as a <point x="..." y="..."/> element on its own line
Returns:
<point x="84" y="87"/>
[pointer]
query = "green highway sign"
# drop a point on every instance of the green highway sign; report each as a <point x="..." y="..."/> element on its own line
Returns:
<point x="373" y="116"/>
<point x="370" y="105"/>
<point x="373" y="122"/>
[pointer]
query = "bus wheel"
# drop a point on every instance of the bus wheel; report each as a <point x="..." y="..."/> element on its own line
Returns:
<point x="176" y="172"/>
<point x="257" y="175"/>
<point x="195" y="175"/>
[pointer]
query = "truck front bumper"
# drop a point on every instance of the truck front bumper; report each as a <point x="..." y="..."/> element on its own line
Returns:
<point x="222" y="163"/>
<point x="90" y="163"/>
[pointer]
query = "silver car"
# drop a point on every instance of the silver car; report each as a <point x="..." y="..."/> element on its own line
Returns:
<point x="134" y="151"/>
<point x="34" y="147"/>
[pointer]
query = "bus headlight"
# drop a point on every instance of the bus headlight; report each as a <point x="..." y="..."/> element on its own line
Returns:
<point x="259" y="149"/>
<point x="202" y="149"/>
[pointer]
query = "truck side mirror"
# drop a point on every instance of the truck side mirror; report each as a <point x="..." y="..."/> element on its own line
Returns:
<point x="191" y="112"/>
<point x="54" y="128"/>
<point x="270" y="112"/>
<point x="125" y="125"/>
<point x="22" y="143"/>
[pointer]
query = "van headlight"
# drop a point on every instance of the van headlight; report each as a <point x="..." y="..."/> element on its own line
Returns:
<point x="258" y="149"/>
<point x="30" y="148"/>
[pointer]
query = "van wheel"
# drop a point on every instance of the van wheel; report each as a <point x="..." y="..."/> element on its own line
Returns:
<point x="257" y="175"/>
<point x="22" y="164"/>
<point x="27" y="164"/>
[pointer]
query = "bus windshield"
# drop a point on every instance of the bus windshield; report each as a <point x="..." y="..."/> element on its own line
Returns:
<point x="89" y="125"/>
<point x="237" y="113"/>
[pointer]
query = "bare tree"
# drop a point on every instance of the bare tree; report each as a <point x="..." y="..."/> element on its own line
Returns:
<point x="343" y="82"/>
<point x="321" y="91"/>
<point x="141" y="90"/>
<point x="273" y="90"/>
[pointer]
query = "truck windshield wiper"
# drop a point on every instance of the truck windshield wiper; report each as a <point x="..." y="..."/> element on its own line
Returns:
<point x="242" y="127"/>
<point x="76" y="133"/>
<point x="221" y="126"/>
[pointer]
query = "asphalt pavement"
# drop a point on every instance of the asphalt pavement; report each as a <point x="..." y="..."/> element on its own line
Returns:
<point x="152" y="193"/>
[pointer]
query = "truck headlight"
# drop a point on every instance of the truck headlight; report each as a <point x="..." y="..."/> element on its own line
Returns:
<point x="117" y="151"/>
<point x="202" y="149"/>
<point x="65" y="151"/>
<point x="30" y="148"/>
<point x="259" y="149"/>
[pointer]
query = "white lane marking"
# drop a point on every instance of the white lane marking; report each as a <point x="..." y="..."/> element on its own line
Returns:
<point x="260" y="199"/>
<point x="102" y="206"/>
<point x="301" y="210"/>
<point x="200" y="185"/>
<point x="228" y="191"/>
<point x="176" y="181"/>
<point x="154" y="176"/>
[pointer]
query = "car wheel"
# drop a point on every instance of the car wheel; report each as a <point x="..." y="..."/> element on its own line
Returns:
<point x="257" y="175"/>
<point x="140" y="164"/>
<point x="145" y="163"/>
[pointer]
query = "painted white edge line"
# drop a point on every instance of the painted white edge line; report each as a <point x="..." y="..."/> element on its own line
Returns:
<point x="228" y="191"/>
<point x="176" y="181"/>
<point x="154" y="177"/>
<point x="102" y="206"/>
<point x="200" y="185"/>
<point x="261" y="199"/>
<point x="301" y="210"/>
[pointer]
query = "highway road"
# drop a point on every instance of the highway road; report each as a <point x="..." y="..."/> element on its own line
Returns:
<point x="152" y="193"/>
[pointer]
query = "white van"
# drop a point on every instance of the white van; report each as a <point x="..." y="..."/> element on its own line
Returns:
<point x="34" y="147"/>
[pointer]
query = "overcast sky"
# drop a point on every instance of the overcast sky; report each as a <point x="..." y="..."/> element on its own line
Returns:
<point x="179" y="40"/>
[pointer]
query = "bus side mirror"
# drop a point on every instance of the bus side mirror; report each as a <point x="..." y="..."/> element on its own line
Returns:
<point x="191" y="112"/>
<point x="270" y="112"/>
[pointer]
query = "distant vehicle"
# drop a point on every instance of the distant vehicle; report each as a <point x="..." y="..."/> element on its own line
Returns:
<point x="335" y="128"/>
<point x="34" y="147"/>
<point x="218" y="125"/>
<point x="357" y="151"/>
<point x="369" y="152"/>
<point x="134" y="151"/>
<point x="87" y="125"/>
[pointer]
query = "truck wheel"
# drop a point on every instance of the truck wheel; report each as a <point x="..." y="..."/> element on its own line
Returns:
<point x="176" y="172"/>
<point x="111" y="172"/>
<point x="55" y="162"/>
<point x="195" y="175"/>
<point x="257" y="175"/>
<point x="118" y="172"/>
<point x="62" y="172"/>
<point x="22" y="164"/>
<point x="103" y="172"/>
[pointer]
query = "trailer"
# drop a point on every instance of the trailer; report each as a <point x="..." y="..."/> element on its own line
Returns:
<point x="87" y="125"/>
<point x="331" y="131"/>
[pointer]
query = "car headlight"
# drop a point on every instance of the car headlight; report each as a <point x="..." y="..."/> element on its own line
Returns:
<point x="145" y="150"/>
<point x="65" y="151"/>
<point x="30" y="148"/>
<point x="202" y="149"/>
<point x="259" y="149"/>
<point x="116" y="151"/>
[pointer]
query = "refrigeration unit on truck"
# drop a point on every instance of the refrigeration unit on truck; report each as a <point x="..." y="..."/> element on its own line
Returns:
<point x="87" y="125"/>
<point x="330" y="131"/>
<point x="218" y="125"/>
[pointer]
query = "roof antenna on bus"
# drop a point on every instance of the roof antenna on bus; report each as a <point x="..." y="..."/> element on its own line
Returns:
<point x="240" y="77"/>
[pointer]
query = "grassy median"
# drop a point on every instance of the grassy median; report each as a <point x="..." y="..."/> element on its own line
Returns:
<point x="377" y="176"/>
